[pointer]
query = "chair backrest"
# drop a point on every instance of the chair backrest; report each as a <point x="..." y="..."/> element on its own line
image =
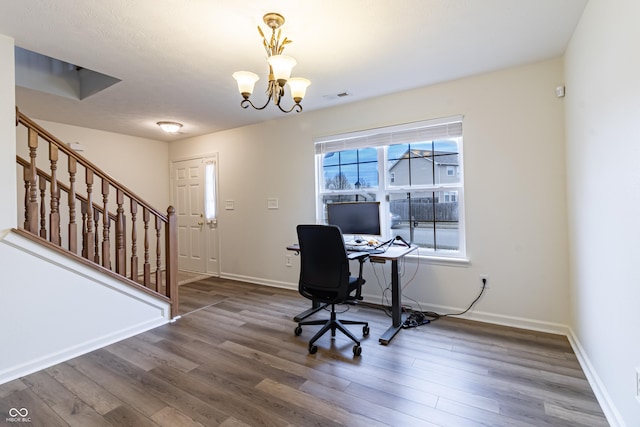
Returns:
<point x="324" y="266"/>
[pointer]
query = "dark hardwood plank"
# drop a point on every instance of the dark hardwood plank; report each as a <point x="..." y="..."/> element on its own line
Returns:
<point x="232" y="359"/>
<point x="119" y="385"/>
<point x="39" y="412"/>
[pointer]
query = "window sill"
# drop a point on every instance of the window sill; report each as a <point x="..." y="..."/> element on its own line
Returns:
<point x="439" y="260"/>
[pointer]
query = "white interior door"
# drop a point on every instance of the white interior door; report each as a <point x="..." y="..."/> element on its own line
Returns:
<point x="194" y="196"/>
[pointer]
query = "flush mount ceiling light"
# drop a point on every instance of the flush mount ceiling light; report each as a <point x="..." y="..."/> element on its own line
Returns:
<point x="280" y="67"/>
<point x="170" y="127"/>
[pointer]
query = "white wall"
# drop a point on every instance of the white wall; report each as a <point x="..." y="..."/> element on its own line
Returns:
<point x="56" y="309"/>
<point x="7" y="132"/>
<point x="603" y="157"/>
<point x="515" y="193"/>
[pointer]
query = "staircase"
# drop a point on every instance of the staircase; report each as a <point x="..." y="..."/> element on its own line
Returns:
<point x="73" y="207"/>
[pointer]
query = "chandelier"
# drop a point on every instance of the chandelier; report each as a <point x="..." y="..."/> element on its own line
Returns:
<point x="280" y="67"/>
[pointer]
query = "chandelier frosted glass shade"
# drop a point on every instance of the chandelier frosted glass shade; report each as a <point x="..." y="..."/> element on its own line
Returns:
<point x="298" y="87"/>
<point x="246" y="82"/>
<point x="281" y="65"/>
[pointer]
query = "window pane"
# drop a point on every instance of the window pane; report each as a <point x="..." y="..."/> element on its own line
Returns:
<point x="351" y="169"/>
<point x="428" y="163"/>
<point x="210" y="191"/>
<point x="396" y="151"/>
<point x="349" y="176"/>
<point x="447" y="161"/>
<point x="426" y="219"/>
<point x="422" y="168"/>
<point x="331" y="159"/>
<point x="410" y="164"/>
<point x="447" y="236"/>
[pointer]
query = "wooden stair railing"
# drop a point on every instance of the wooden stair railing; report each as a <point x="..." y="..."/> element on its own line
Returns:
<point x="104" y="226"/>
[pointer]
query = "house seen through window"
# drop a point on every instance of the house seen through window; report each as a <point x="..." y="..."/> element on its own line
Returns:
<point x="413" y="170"/>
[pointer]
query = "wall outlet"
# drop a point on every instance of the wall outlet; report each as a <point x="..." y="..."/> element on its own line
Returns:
<point x="287" y="260"/>
<point x="484" y="278"/>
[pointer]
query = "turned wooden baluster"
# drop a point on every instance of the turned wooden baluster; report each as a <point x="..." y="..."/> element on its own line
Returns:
<point x="87" y="243"/>
<point x="96" y="236"/>
<point x="54" y="214"/>
<point x="32" y="209"/>
<point x="134" y="241"/>
<point x="147" y="266"/>
<point x="83" y="212"/>
<point x="43" y="207"/>
<point x="73" y="227"/>
<point x="158" y="254"/>
<point x="26" y="176"/>
<point x="106" y="222"/>
<point x="121" y="263"/>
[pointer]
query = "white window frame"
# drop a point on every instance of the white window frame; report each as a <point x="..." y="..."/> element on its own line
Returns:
<point x="443" y="128"/>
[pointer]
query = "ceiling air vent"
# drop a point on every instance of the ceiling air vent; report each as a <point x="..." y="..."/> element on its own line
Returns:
<point x="342" y="94"/>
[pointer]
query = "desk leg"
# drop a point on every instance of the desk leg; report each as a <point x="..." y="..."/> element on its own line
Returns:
<point x="396" y="306"/>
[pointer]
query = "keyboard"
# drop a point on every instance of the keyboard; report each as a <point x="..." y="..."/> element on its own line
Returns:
<point x="363" y="248"/>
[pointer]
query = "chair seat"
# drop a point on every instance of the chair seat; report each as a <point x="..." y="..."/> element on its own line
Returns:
<point x="329" y="296"/>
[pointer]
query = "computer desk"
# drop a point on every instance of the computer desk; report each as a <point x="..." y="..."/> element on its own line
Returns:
<point x="394" y="253"/>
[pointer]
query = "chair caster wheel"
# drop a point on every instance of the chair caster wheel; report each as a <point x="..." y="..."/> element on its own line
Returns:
<point x="298" y="331"/>
<point x="365" y="331"/>
<point x="357" y="350"/>
<point x="313" y="349"/>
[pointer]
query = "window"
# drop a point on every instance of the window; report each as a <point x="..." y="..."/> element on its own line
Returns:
<point x="210" y="211"/>
<point x="413" y="170"/>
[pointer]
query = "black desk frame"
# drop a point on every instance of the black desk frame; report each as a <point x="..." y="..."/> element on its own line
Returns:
<point x="393" y="254"/>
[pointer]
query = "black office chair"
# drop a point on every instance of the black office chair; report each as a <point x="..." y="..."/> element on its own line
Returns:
<point x="325" y="279"/>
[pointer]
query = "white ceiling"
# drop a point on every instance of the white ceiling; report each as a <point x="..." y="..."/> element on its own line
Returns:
<point x="175" y="57"/>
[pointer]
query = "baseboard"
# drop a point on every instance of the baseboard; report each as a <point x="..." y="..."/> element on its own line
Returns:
<point x="613" y="416"/>
<point x="260" y="281"/>
<point x="69" y="353"/>
<point x="497" y="319"/>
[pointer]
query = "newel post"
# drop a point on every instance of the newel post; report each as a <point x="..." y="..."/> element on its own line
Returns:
<point x="171" y="244"/>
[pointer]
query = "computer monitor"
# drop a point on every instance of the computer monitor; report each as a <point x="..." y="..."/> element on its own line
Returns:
<point x="356" y="218"/>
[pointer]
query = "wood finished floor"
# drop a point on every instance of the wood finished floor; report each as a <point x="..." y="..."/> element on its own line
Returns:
<point x="235" y="361"/>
